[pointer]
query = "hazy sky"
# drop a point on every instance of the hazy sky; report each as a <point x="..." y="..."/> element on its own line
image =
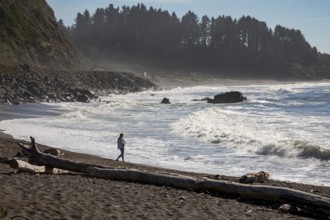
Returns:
<point x="312" y="17"/>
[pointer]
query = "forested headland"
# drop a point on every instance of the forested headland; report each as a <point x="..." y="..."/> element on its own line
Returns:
<point x="156" y="39"/>
<point x="39" y="64"/>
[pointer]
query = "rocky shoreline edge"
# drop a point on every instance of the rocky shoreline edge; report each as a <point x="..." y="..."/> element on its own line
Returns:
<point x="26" y="84"/>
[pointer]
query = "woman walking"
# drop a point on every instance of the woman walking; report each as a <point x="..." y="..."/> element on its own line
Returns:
<point x="121" y="146"/>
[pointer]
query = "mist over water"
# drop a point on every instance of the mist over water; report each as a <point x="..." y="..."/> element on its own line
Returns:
<point x="281" y="129"/>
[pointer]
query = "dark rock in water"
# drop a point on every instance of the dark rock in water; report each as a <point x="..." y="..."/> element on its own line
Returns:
<point x="217" y="141"/>
<point x="228" y="97"/>
<point x="203" y="99"/>
<point x="165" y="101"/>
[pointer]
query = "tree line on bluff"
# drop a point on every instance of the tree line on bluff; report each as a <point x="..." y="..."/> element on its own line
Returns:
<point x="245" y="45"/>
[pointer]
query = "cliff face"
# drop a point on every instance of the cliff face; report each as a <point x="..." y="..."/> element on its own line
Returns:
<point x="29" y="34"/>
<point x="38" y="63"/>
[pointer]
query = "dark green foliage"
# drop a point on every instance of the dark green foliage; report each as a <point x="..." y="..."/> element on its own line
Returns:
<point x="3" y="213"/>
<point x="208" y="44"/>
<point x="15" y="22"/>
<point x="29" y="34"/>
<point x="3" y="15"/>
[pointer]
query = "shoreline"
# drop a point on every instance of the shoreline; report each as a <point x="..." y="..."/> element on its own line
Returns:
<point x="32" y="112"/>
<point x="71" y="196"/>
<point x="77" y="196"/>
<point x="172" y="81"/>
<point x="4" y="135"/>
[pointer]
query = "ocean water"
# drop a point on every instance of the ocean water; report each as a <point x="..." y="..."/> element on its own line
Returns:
<point x="282" y="129"/>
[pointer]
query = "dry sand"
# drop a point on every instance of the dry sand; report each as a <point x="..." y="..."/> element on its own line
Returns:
<point x="75" y="196"/>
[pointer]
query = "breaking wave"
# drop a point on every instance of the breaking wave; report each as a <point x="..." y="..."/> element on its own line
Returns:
<point x="299" y="149"/>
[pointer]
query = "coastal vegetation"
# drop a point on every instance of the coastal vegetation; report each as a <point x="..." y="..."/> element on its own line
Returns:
<point x="29" y="34"/>
<point x="39" y="64"/>
<point x="150" y="39"/>
<point x="155" y="38"/>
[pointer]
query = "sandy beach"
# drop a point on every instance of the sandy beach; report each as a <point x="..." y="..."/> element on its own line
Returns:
<point x="76" y="196"/>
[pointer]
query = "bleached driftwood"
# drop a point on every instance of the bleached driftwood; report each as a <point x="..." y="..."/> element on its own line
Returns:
<point x="313" y="203"/>
<point x="259" y="177"/>
<point x="25" y="166"/>
<point x="38" y="158"/>
<point x="34" y="169"/>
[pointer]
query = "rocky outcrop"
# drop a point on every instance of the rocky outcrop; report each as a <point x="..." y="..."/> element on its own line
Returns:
<point x="165" y="101"/>
<point x="29" y="85"/>
<point x="227" y="97"/>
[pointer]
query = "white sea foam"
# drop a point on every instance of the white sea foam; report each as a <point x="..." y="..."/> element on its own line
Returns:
<point x="282" y="129"/>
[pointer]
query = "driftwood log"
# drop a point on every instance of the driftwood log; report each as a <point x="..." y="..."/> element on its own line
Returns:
<point x="313" y="203"/>
<point x="22" y="165"/>
<point x="42" y="159"/>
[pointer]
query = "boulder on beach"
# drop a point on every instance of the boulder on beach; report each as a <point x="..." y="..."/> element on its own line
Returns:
<point x="227" y="97"/>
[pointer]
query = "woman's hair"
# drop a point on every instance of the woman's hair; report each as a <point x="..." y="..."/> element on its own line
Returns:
<point x="121" y="135"/>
